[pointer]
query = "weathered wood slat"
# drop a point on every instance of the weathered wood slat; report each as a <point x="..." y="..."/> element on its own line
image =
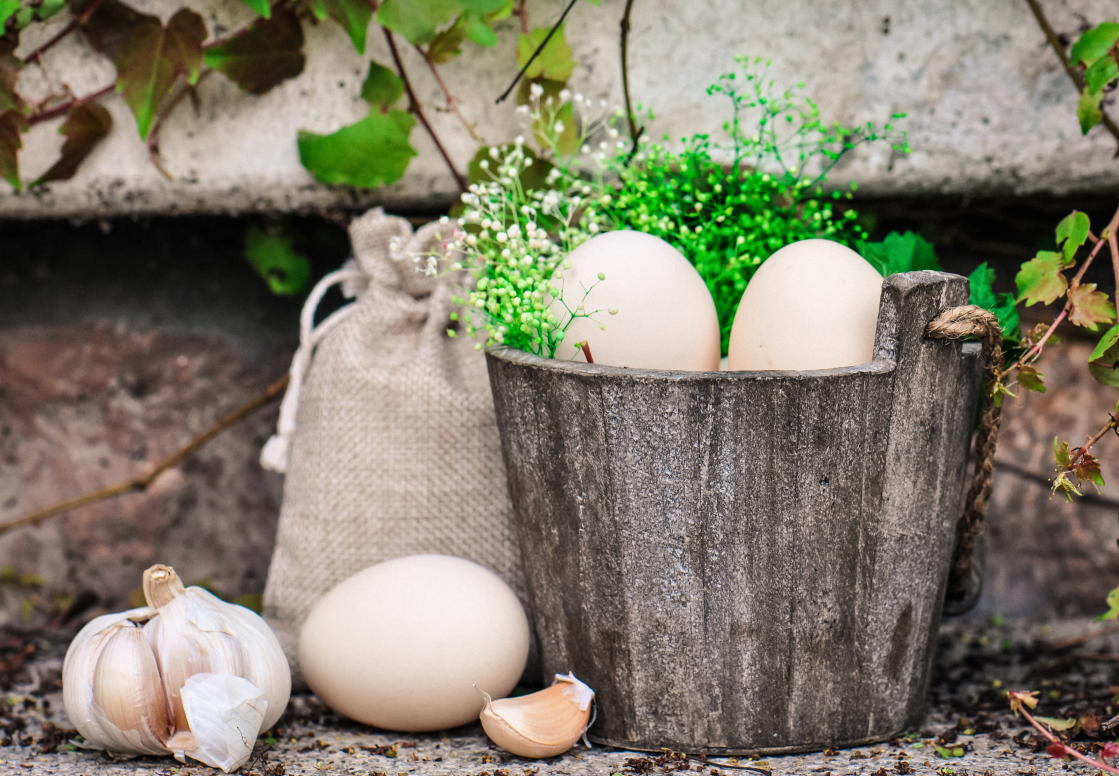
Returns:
<point x="750" y="561"/>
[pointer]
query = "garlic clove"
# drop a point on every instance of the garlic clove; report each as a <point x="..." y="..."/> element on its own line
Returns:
<point x="543" y="724"/>
<point x="78" y="667"/>
<point x="129" y="707"/>
<point x="226" y="714"/>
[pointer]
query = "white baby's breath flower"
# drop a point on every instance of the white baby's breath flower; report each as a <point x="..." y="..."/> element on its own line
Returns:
<point x="560" y="127"/>
<point x="536" y="90"/>
<point x="565" y="95"/>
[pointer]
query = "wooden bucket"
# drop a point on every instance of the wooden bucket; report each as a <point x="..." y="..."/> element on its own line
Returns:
<point x="744" y="562"/>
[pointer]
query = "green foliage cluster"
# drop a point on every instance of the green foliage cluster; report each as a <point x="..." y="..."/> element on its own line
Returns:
<point x="1096" y="55"/>
<point x="728" y="206"/>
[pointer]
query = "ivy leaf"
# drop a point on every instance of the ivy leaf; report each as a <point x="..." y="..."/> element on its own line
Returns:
<point x="374" y="152"/>
<point x="382" y="87"/>
<point x="1101" y="73"/>
<point x="1090" y="307"/>
<point x="286" y="272"/>
<point x="479" y="31"/>
<point x="1036" y="333"/>
<point x="1061" y="453"/>
<point x="1002" y="305"/>
<point x="1031" y="379"/>
<point x="148" y="56"/>
<point x="900" y="253"/>
<point x="85" y="127"/>
<point x="266" y="54"/>
<point x="1089" y="470"/>
<point x="1073" y="231"/>
<point x="447" y="44"/>
<point x="1088" y="110"/>
<point x="1094" y="44"/>
<point x="10" y="67"/>
<point x="262" y="7"/>
<point x="1058" y="724"/>
<point x="1040" y="279"/>
<point x="1109" y="338"/>
<point x="1063" y="485"/>
<point x="417" y="20"/>
<point x="353" y="15"/>
<point x="1112" y="612"/>
<point x="482" y="7"/>
<point x="554" y="62"/>
<point x="12" y="127"/>
<point x="49" y="8"/>
<point x="1103" y="368"/>
<point x="7" y="8"/>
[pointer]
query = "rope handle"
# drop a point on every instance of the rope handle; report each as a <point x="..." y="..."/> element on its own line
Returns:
<point x="277" y="451"/>
<point x="954" y="324"/>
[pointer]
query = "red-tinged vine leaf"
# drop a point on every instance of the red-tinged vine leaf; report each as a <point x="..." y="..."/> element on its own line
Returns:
<point x="374" y="152"/>
<point x="1056" y="750"/>
<point x="447" y="44"/>
<point x="266" y="54"/>
<point x="1072" y="232"/>
<point x="417" y="20"/>
<point x="1040" y="279"/>
<point x="262" y="7"/>
<point x="1019" y="701"/>
<point x="12" y="127"/>
<point x="1105" y="367"/>
<point x="1088" y="110"/>
<point x="148" y="56"/>
<point x="998" y="391"/>
<point x="1031" y="379"/>
<point x="1090" y="307"/>
<point x="1112" y="613"/>
<point x="1110" y="749"/>
<point x="1061" y="453"/>
<point x="1088" y="470"/>
<point x="1109" y="338"/>
<point x="1094" y="44"/>
<point x="1036" y="334"/>
<point x="1063" y="485"/>
<point x="554" y="61"/>
<point x="85" y="127"/>
<point x="10" y="67"/>
<point x="382" y="87"/>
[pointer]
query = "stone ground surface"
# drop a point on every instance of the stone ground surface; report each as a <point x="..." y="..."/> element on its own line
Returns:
<point x="969" y="720"/>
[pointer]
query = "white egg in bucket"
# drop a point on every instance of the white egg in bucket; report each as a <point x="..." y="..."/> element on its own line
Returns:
<point x="653" y="309"/>
<point x="812" y="305"/>
<point x="401" y="645"/>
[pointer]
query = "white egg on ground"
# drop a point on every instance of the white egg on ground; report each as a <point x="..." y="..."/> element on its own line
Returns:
<point x="652" y="310"/>
<point x="401" y="645"/>
<point x="812" y="305"/>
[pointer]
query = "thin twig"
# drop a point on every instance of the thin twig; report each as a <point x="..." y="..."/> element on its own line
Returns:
<point x="415" y="107"/>
<point x="586" y="348"/>
<point x="157" y="124"/>
<point x="273" y="392"/>
<point x="66" y="107"/>
<point x="1065" y="749"/>
<point x="72" y="25"/>
<point x="1045" y="480"/>
<point x="1073" y="73"/>
<point x="1107" y="630"/>
<point x="522" y="12"/>
<point x="536" y="53"/>
<point x="452" y="103"/>
<point x="634" y="130"/>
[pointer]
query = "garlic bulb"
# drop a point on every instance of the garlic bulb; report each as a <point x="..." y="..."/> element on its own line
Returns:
<point x="543" y="724"/>
<point x="189" y="675"/>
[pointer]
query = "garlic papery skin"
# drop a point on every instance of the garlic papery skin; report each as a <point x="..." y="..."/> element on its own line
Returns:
<point x="196" y="633"/>
<point x="543" y="724"/>
<point x="112" y="689"/>
<point x="226" y="714"/>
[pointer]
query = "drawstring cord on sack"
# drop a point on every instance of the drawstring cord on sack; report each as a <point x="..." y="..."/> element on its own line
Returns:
<point x="277" y="450"/>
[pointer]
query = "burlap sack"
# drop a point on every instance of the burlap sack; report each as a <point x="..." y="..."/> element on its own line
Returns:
<point x="394" y="448"/>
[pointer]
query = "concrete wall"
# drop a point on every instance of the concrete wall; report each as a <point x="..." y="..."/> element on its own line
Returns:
<point x="990" y="110"/>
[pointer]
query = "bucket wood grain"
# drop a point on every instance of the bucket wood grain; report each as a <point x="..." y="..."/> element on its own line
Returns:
<point x="745" y="561"/>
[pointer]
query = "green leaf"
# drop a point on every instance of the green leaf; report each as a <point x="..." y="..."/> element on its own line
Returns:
<point x="12" y="127"/>
<point x="10" y="67"/>
<point x="1088" y="110"/>
<point x="266" y="54"/>
<point x="1002" y="305"/>
<point x="286" y="272"/>
<point x="1090" y="307"/>
<point x="1094" y="43"/>
<point x="262" y="7"/>
<point x="1112" y="612"/>
<point x="479" y="31"/>
<point x="1061" y="453"/>
<point x="85" y="127"/>
<point x="1103" y="367"/>
<point x="900" y="253"/>
<point x="1089" y="470"/>
<point x="1040" y="279"/>
<point x="354" y="16"/>
<point x="382" y="87"/>
<point x="568" y="140"/>
<point x="1031" y="379"/>
<point x="1109" y="338"/>
<point x="1073" y="231"/>
<point x="482" y="7"/>
<point x="1058" y="724"/>
<point x="532" y="178"/>
<point x="7" y="8"/>
<point x="554" y="62"/>
<point x="374" y="152"/>
<point x="447" y="44"/>
<point x="50" y="8"/>
<point x="148" y="56"/>
<point x="1100" y="74"/>
<point x="417" y="20"/>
